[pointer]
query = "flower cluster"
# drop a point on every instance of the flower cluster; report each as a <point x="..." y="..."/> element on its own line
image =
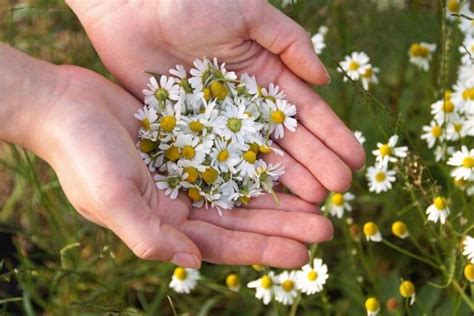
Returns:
<point x="421" y="54"/>
<point x="357" y="66"/>
<point x="318" y="39"/>
<point x="206" y="133"/>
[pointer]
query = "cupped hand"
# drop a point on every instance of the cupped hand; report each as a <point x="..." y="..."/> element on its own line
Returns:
<point x="251" y="36"/>
<point x="88" y="136"/>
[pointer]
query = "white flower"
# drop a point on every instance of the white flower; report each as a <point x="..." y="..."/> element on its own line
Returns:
<point x="281" y="114"/>
<point x="463" y="97"/>
<point x="318" y="42"/>
<point x="433" y="133"/>
<point x="463" y="160"/>
<point x="372" y="232"/>
<point x="441" y="151"/>
<point x="360" y="137"/>
<point x="157" y="94"/>
<point x="467" y="25"/>
<point x="264" y="287"/>
<point x="225" y="155"/>
<point x="456" y="7"/>
<point x="148" y="118"/>
<point x="468" y="251"/>
<point x="467" y="50"/>
<point x="388" y="152"/>
<point x="457" y="129"/>
<point x="200" y="74"/>
<point x="171" y="183"/>
<point x="369" y="76"/>
<point x="184" y="280"/>
<point x="310" y="279"/>
<point x="268" y="175"/>
<point x="380" y="179"/>
<point x="286" y="291"/>
<point x="273" y="93"/>
<point x="466" y="72"/>
<point x="444" y="110"/>
<point x="420" y="54"/>
<point x="354" y="65"/>
<point x="339" y="202"/>
<point x="438" y="211"/>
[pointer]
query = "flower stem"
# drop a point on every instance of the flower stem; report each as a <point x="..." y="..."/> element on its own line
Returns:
<point x="410" y="254"/>
<point x="461" y="292"/>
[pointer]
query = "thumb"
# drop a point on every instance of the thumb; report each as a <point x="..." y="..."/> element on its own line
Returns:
<point x="284" y="37"/>
<point x="144" y="233"/>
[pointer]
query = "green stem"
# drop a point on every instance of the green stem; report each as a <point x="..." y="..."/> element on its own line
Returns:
<point x="461" y="292"/>
<point x="410" y="254"/>
<point x="295" y="305"/>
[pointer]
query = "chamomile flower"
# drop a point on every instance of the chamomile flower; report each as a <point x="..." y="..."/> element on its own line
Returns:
<point x="225" y="155"/>
<point x="273" y="93"/>
<point x="457" y="129"/>
<point x="371" y="232"/>
<point x="311" y="278"/>
<point x="360" y="137"/>
<point x="264" y="287"/>
<point x="286" y="291"/>
<point x="407" y="290"/>
<point x="372" y="306"/>
<point x="438" y="211"/>
<point x="468" y="250"/>
<point x="171" y="183"/>
<point x="400" y="229"/>
<point x="184" y="280"/>
<point x="354" y="65"/>
<point x="369" y="76"/>
<point x="463" y="160"/>
<point x="281" y="114"/>
<point x="233" y="282"/>
<point x="469" y="272"/>
<point x="456" y="7"/>
<point x="380" y="179"/>
<point x="268" y="174"/>
<point x="444" y="110"/>
<point x="318" y="39"/>
<point x="339" y="202"/>
<point x="200" y="75"/>
<point x="463" y="97"/>
<point x="158" y="93"/>
<point x="467" y="50"/>
<point x="388" y="152"/>
<point x="433" y="133"/>
<point x="442" y="151"/>
<point x="148" y="118"/>
<point x="466" y="25"/>
<point x="421" y="54"/>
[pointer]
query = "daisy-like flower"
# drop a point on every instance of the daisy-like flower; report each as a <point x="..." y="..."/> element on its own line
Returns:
<point x="433" y="133"/>
<point x="148" y="117"/>
<point x="371" y="232"/>
<point x="467" y="49"/>
<point x="158" y="93"/>
<point x="268" y="175"/>
<point x="281" y="114"/>
<point x="286" y="291"/>
<point x="467" y="25"/>
<point x="457" y="129"/>
<point x="463" y="97"/>
<point x="463" y="160"/>
<point x="354" y="65"/>
<point x="438" y="211"/>
<point x="468" y="250"/>
<point x="465" y="72"/>
<point x="311" y="279"/>
<point x="400" y="229"/>
<point x="184" y="280"/>
<point x="339" y="202"/>
<point x="360" y="137"/>
<point x="407" y="290"/>
<point x="380" y="179"/>
<point x="273" y="93"/>
<point x="369" y="76"/>
<point x="233" y="282"/>
<point x="444" y="110"/>
<point x="442" y="151"/>
<point x="469" y="272"/>
<point x="200" y="75"/>
<point x="388" y="152"/>
<point x="264" y="287"/>
<point x="372" y="306"/>
<point x="421" y="54"/>
<point x="225" y="155"/>
<point x="171" y="183"/>
<point x="318" y="39"/>
<point x="192" y="149"/>
<point x="456" y="7"/>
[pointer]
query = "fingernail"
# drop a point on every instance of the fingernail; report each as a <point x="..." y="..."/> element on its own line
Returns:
<point x="186" y="260"/>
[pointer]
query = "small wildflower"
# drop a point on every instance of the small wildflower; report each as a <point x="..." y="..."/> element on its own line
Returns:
<point x="468" y="251"/>
<point x="380" y="179"/>
<point x="388" y="152"/>
<point x="286" y="291"/>
<point x="360" y="137"/>
<point x="310" y="279"/>
<point x="400" y="230"/>
<point x="407" y="290"/>
<point x="184" y="280"/>
<point x="421" y="54"/>
<point x="233" y="282"/>
<point x="438" y="211"/>
<point x="354" y="65"/>
<point x="339" y="202"/>
<point x="264" y="287"/>
<point x="463" y="160"/>
<point x="372" y="306"/>
<point x="469" y="272"/>
<point x="371" y="232"/>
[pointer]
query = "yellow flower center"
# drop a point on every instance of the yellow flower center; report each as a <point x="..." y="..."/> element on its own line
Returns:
<point x="196" y="126"/>
<point x="234" y="124"/>
<point x="266" y="282"/>
<point x="419" y="50"/>
<point x="264" y="149"/>
<point x="172" y="153"/>
<point x="353" y="65"/>
<point x="436" y="131"/>
<point x="312" y="275"/>
<point x="288" y="285"/>
<point x="147" y="145"/>
<point x="460" y="183"/>
<point x="337" y="199"/>
<point x="468" y="162"/>
<point x="448" y="106"/>
<point x="399" y="229"/>
<point x="188" y="152"/>
<point x="161" y="94"/>
<point x="369" y="72"/>
<point x="468" y="94"/>
<point x="232" y="280"/>
<point x="453" y="6"/>
<point x="440" y="203"/>
<point x="180" y="273"/>
<point x="207" y="94"/>
<point x="250" y="156"/>
<point x="210" y="175"/>
<point x="278" y="116"/>
<point x="457" y="127"/>
<point x="168" y="123"/>
<point x="194" y="195"/>
<point x="223" y="155"/>
<point x="385" y="150"/>
<point x="258" y="267"/>
<point x="244" y="199"/>
<point x="469" y="272"/>
<point x="407" y="289"/>
<point x="218" y="90"/>
<point x="146" y="124"/>
<point x="255" y="148"/>
<point x="380" y="176"/>
<point x="372" y="305"/>
<point x="370" y="229"/>
<point x="193" y="174"/>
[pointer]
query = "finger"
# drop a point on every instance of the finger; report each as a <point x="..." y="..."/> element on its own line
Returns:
<point x="284" y="37"/>
<point x="145" y="234"/>
<point x="219" y="245"/>
<point x="297" y="178"/>
<point x="304" y="227"/>
<point x="285" y="202"/>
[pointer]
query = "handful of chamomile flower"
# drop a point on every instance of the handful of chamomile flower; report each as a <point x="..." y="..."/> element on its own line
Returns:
<point x="205" y="133"/>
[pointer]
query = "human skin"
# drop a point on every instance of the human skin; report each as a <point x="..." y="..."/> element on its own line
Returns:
<point x="135" y="36"/>
<point x="83" y="126"/>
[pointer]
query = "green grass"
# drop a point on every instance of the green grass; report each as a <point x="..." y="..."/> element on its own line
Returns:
<point x="61" y="264"/>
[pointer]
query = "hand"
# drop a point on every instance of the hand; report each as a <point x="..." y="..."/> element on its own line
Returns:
<point x="83" y="126"/>
<point x="250" y="36"/>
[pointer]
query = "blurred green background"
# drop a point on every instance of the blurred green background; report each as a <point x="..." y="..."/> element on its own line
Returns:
<point x="53" y="262"/>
